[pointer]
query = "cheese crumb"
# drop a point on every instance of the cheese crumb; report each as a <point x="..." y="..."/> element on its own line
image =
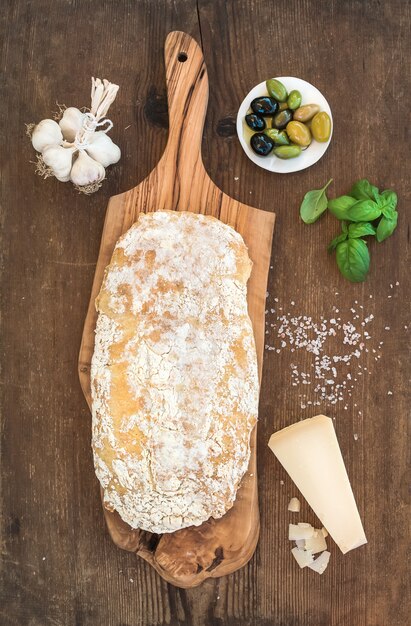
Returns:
<point x="294" y="505"/>
<point x="320" y="564"/>
<point x="316" y="543"/>
<point x="303" y="557"/>
<point x="300" y="531"/>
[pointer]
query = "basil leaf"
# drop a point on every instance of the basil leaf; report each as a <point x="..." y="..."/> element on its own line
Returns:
<point x="364" y="211"/>
<point x="360" y="229"/>
<point x="344" y="227"/>
<point x="339" y="206"/>
<point x="386" y="226"/>
<point x="336" y="241"/>
<point x="314" y="204"/>
<point x="353" y="259"/>
<point x="363" y="190"/>
<point x="387" y="202"/>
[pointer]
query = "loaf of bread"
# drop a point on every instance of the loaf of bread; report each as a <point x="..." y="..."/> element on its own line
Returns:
<point x="174" y="372"/>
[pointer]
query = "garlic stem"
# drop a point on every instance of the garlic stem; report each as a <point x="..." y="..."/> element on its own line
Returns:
<point x="103" y="94"/>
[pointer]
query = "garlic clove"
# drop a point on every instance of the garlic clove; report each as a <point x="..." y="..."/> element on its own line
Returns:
<point x="103" y="149"/>
<point x="59" y="160"/>
<point x="86" y="170"/>
<point x="47" y="132"/>
<point x="71" y="122"/>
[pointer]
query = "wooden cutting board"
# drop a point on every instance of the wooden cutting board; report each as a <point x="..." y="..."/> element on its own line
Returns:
<point x="180" y="183"/>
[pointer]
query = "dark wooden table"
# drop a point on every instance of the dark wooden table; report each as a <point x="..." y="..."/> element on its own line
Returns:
<point x="59" y="565"/>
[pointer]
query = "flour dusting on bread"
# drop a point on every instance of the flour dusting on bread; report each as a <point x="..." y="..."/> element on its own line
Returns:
<point x="174" y="372"/>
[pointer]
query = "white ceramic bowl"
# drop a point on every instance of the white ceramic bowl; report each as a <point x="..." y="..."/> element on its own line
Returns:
<point x="314" y="152"/>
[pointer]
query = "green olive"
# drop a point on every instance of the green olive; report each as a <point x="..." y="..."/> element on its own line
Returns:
<point x="294" y="99"/>
<point x="321" y="126"/>
<point x="276" y="90"/>
<point x="279" y="137"/>
<point x="299" y="133"/>
<point x="282" y="106"/>
<point x="287" y="152"/>
<point x="306" y="112"/>
<point x="282" y="118"/>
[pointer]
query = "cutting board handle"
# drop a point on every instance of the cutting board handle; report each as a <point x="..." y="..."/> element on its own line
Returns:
<point x="187" y="90"/>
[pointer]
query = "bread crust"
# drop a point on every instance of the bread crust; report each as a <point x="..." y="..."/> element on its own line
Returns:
<point x="174" y="372"/>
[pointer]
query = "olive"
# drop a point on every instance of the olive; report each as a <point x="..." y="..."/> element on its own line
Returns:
<point x="261" y="144"/>
<point x="287" y="152"/>
<point x="294" y="99"/>
<point x="299" y="133"/>
<point x="306" y="112"/>
<point x="255" y="122"/>
<point x="279" y="137"/>
<point x="282" y="118"/>
<point x="264" y="106"/>
<point x="321" y="126"/>
<point x="282" y="106"/>
<point x="276" y="89"/>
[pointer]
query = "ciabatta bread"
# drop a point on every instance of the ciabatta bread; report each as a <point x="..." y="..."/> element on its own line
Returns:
<point x="174" y="372"/>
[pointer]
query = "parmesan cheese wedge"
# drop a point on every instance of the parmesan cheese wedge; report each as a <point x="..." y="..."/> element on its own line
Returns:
<point x="309" y="452"/>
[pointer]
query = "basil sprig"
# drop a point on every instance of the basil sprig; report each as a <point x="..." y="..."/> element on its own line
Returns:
<point x="363" y="212"/>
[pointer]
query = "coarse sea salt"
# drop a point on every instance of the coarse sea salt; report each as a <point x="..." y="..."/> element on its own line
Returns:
<point x="336" y="347"/>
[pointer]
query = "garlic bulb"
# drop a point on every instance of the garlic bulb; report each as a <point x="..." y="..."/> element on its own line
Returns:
<point x="103" y="149"/>
<point x="71" y="122"/>
<point x="78" y="148"/>
<point x="46" y="133"/>
<point x="59" y="160"/>
<point x="86" y="171"/>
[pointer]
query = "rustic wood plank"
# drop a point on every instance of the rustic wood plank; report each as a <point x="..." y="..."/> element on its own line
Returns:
<point x="355" y="52"/>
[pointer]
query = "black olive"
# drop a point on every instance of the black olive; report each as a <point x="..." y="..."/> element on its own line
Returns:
<point x="261" y="144"/>
<point x="282" y="118"/>
<point x="264" y="106"/>
<point x="255" y="122"/>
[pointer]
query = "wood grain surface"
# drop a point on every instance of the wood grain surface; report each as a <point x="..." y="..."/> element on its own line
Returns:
<point x="179" y="182"/>
<point x="59" y="565"/>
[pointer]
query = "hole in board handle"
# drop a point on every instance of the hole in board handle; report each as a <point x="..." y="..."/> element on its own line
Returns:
<point x="182" y="57"/>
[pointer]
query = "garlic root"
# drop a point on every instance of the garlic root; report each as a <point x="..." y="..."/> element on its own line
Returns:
<point x="42" y="169"/>
<point x="88" y="189"/>
<point x="29" y="129"/>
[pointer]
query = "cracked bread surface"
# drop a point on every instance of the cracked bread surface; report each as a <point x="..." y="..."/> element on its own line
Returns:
<point x="174" y="372"/>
